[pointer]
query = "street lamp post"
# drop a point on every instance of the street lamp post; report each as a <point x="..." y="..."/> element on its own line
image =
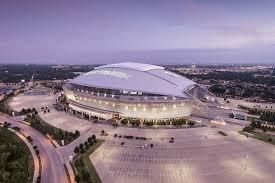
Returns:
<point x="246" y="161"/>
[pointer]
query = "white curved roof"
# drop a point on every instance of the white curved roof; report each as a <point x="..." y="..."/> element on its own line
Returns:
<point x="132" y="65"/>
<point x="136" y="77"/>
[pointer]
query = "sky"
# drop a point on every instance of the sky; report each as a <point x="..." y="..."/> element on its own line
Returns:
<point x="149" y="31"/>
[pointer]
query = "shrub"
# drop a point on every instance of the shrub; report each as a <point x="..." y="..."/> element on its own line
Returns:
<point x="94" y="137"/>
<point x="191" y="123"/>
<point x="6" y="124"/>
<point x="29" y="139"/>
<point x="86" y="175"/>
<point x="90" y="139"/>
<point x="76" y="150"/>
<point x="76" y="133"/>
<point x="77" y="178"/>
<point x="37" y="152"/>
<point x="248" y="129"/>
<point x="79" y="162"/>
<point x="124" y="121"/>
<point x="82" y="151"/>
<point x="91" y="143"/>
<point x="86" y="143"/>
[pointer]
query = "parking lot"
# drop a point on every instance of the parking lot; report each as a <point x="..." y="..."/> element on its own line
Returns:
<point x="29" y="101"/>
<point x="197" y="155"/>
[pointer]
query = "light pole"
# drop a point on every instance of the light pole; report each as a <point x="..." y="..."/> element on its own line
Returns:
<point x="246" y="161"/>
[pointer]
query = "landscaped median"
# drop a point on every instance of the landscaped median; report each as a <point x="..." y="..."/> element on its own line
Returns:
<point x="260" y="136"/>
<point x="56" y="133"/>
<point x="83" y="166"/>
<point x="261" y="132"/>
<point x="17" y="164"/>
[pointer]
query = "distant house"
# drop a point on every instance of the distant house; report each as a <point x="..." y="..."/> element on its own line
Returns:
<point x="240" y="116"/>
<point x="237" y="116"/>
<point x="271" y="89"/>
<point x="239" y="91"/>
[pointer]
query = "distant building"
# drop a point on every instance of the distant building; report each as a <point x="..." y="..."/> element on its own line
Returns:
<point x="238" y="91"/>
<point x="271" y="89"/>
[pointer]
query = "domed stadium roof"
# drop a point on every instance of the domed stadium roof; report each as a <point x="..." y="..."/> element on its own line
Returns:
<point x="136" y="77"/>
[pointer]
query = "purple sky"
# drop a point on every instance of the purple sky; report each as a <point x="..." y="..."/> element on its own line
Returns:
<point x="154" y="31"/>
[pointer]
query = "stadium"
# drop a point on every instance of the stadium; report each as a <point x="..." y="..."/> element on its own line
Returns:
<point x="134" y="90"/>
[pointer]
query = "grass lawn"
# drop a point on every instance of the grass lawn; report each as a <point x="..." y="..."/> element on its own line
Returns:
<point x="16" y="162"/>
<point x="45" y="128"/>
<point x="251" y="118"/>
<point x="88" y="165"/>
<point x="264" y="137"/>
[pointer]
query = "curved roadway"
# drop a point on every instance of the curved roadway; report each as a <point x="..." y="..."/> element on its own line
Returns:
<point x="52" y="167"/>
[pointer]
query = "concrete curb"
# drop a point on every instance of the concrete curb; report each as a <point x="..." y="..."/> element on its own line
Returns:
<point x="34" y="156"/>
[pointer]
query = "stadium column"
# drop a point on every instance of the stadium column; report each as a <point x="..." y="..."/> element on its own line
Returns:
<point x="141" y="121"/>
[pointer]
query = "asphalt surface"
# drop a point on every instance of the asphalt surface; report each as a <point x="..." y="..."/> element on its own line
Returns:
<point x="52" y="166"/>
<point x="197" y="155"/>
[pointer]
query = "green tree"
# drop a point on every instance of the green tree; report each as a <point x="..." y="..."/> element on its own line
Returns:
<point x="76" y="149"/>
<point x="77" y="178"/>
